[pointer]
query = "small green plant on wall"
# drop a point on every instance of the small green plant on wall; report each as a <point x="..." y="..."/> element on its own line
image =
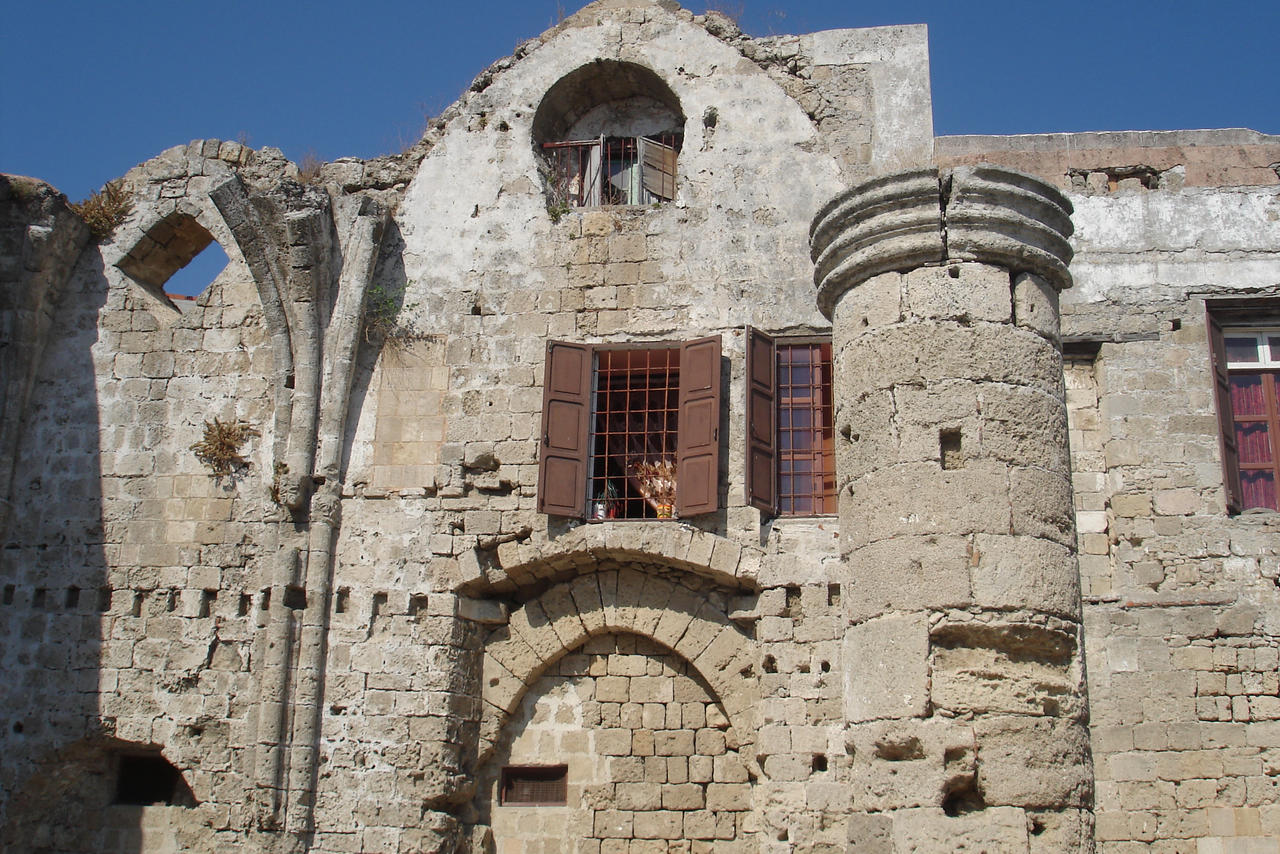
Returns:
<point x="383" y="305"/>
<point x="221" y="447"/>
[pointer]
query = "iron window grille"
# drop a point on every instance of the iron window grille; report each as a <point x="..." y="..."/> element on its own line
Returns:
<point x="612" y="170"/>
<point x="790" y="425"/>
<point x="630" y="431"/>
<point x="541" y="785"/>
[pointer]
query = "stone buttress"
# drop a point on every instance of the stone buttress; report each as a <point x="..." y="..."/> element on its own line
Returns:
<point x="965" y="695"/>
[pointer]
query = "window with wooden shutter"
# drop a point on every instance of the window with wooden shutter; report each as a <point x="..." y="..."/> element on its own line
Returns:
<point x="609" y="170"/>
<point x="631" y="432"/>
<point x="790" y="425"/>
<point x="1246" y="376"/>
<point x="762" y="462"/>
<point x="566" y="420"/>
<point x="698" y="455"/>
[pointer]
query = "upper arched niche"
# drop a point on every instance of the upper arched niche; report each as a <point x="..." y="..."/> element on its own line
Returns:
<point x="609" y="132"/>
<point x="630" y="92"/>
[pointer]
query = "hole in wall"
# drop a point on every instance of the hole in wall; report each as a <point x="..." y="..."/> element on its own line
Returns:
<point x="266" y="599"/>
<point x="135" y="610"/>
<point x="379" y="604"/>
<point x="899" y="750"/>
<point x="37" y="600"/>
<point x="962" y="797"/>
<point x="7" y="596"/>
<point x="341" y="600"/>
<point x="73" y="598"/>
<point x="104" y="599"/>
<point x="825" y="667"/>
<point x="148" y="778"/>
<point x="207" y="600"/>
<point x="770" y="664"/>
<point x="792" y="608"/>
<point x="295" y="598"/>
<point x="18" y="727"/>
<point x="819" y="762"/>
<point x="171" y="601"/>
<point x="242" y="607"/>
<point x="950" y="450"/>
<point x="833" y="595"/>
<point x="175" y="261"/>
<point x="417" y="604"/>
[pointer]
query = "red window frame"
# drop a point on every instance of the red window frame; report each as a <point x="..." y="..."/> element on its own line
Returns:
<point x="1253" y="384"/>
<point x="790" y="425"/>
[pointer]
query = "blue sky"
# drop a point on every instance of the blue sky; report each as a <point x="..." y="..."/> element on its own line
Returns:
<point x="90" y="88"/>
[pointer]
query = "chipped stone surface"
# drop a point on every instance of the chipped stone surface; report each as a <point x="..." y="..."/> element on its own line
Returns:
<point x="1032" y="625"/>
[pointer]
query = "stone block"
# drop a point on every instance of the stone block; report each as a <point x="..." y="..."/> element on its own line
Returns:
<point x="886" y="662"/>
<point x="970" y="292"/>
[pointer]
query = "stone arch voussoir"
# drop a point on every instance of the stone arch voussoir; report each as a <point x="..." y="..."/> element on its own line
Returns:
<point x="618" y="601"/>
<point x="544" y="558"/>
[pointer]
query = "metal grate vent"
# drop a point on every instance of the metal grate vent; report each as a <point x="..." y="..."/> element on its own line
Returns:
<point x="545" y="785"/>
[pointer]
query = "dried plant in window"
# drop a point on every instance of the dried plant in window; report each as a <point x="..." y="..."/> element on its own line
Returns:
<point x="221" y="446"/>
<point x="657" y="483"/>
<point x="105" y="209"/>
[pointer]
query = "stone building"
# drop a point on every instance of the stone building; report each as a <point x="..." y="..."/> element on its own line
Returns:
<point x="521" y="493"/>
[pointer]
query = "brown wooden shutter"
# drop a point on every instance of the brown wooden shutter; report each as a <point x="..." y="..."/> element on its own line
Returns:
<point x="698" y="442"/>
<point x="762" y="413"/>
<point x="659" y="169"/>
<point x="1226" y="423"/>
<point x="564" y="454"/>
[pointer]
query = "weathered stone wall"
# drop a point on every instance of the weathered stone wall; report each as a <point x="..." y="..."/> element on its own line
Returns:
<point x="652" y="757"/>
<point x="1180" y="598"/>
<point x="341" y="642"/>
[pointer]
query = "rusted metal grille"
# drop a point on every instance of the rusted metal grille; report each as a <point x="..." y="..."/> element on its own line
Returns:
<point x="545" y="785"/>
<point x="612" y="170"/>
<point x="633" y="466"/>
<point x="806" y="438"/>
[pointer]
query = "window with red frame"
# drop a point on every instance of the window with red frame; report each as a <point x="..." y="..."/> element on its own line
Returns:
<point x="790" y="425"/>
<point x="1252" y="361"/>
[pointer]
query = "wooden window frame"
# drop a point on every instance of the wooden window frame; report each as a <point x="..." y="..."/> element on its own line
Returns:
<point x="565" y="456"/>
<point x="580" y="171"/>
<point x="1238" y="318"/>
<point x="763" y="408"/>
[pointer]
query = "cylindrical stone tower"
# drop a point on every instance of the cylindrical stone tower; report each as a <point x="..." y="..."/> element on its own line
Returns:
<point x="964" y="694"/>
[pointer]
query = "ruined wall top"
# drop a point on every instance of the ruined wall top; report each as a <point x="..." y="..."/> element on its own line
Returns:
<point x="929" y="216"/>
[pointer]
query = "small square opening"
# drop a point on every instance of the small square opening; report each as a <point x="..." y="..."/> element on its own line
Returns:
<point x="542" y="785"/>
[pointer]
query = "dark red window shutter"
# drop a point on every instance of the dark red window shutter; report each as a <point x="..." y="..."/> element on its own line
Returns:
<point x="564" y="455"/>
<point x="698" y="445"/>
<point x="1226" y="423"/>
<point x="762" y="461"/>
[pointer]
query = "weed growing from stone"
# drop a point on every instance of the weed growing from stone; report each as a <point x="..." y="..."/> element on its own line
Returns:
<point x="105" y="209"/>
<point x="220" y="448"/>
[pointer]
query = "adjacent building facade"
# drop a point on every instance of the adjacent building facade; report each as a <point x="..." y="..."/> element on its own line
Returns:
<point x="679" y="449"/>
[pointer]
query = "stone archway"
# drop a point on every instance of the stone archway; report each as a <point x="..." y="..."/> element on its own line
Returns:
<point x="640" y="746"/>
<point x="677" y="617"/>
<point x="642" y="693"/>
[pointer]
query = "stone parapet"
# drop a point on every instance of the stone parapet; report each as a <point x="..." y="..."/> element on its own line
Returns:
<point x="928" y="217"/>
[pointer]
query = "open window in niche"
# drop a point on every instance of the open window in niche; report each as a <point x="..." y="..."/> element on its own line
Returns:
<point x="175" y="261"/>
<point x="609" y="133"/>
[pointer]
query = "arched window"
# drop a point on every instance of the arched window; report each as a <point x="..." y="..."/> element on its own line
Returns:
<point x="609" y="133"/>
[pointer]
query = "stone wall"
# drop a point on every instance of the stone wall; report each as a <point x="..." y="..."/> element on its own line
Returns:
<point x="340" y="641"/>
<point x="1180" y="597"/>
